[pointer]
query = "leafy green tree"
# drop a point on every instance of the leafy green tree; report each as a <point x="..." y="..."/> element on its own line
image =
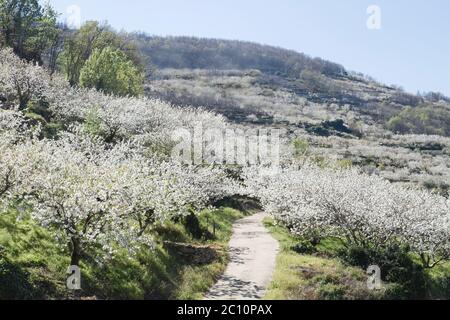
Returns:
<point x="111" y="71"/>
<point x="27" y="27"/>
<point x="80" y="45"/>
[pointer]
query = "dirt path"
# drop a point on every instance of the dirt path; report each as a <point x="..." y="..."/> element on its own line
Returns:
<point x="253" y="253"/>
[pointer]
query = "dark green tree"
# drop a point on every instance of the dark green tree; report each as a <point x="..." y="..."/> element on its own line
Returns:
<point x="27" y="27"/>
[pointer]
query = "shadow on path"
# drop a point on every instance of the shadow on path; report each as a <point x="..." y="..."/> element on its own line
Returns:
<point x="252" y="253"/>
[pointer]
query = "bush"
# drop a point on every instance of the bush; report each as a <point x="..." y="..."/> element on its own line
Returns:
<point x="304" y="247"/>
<point x="192" y="225"/>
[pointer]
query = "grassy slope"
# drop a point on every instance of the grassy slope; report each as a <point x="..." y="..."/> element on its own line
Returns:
<point x="308" y="277"/>
<point x="32" y="266"/>
<point x="323" y="276"/>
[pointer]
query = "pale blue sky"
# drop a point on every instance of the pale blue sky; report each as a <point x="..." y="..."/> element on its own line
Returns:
<point x="412" y="49"/>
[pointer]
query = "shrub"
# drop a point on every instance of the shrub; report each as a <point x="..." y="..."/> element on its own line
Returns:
<point x="304" y="247"/>
<point x="192" y="225"/>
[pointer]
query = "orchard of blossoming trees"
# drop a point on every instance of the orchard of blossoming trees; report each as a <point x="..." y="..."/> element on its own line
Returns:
<point x="106" y="179"/>
<point x="97" y="188"/>
<point x="357" y="208"/>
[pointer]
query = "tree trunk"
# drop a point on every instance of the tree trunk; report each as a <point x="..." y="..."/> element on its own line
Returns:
<point x="23" y="103"/>
<point x="75" y="245"/>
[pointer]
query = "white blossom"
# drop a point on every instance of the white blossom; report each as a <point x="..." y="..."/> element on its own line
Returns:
<point x="359" y="208"/>
<point x="21" y="81"/>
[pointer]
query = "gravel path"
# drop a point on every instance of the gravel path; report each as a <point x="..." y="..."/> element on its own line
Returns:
<point x="253" y="253"/>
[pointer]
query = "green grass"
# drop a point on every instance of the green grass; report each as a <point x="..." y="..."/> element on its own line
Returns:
<point x="313" y="277"/>
<point x="440" y="281"/>
<point x="29" y="260"/>
<point x="32" y="266"/>
<point x="323" y="275"/>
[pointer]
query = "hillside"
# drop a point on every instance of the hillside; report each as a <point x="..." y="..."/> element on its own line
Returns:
<point x="314" y="80"/>
<point x="199" y="53"/>
<point x="337" y="114"/>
